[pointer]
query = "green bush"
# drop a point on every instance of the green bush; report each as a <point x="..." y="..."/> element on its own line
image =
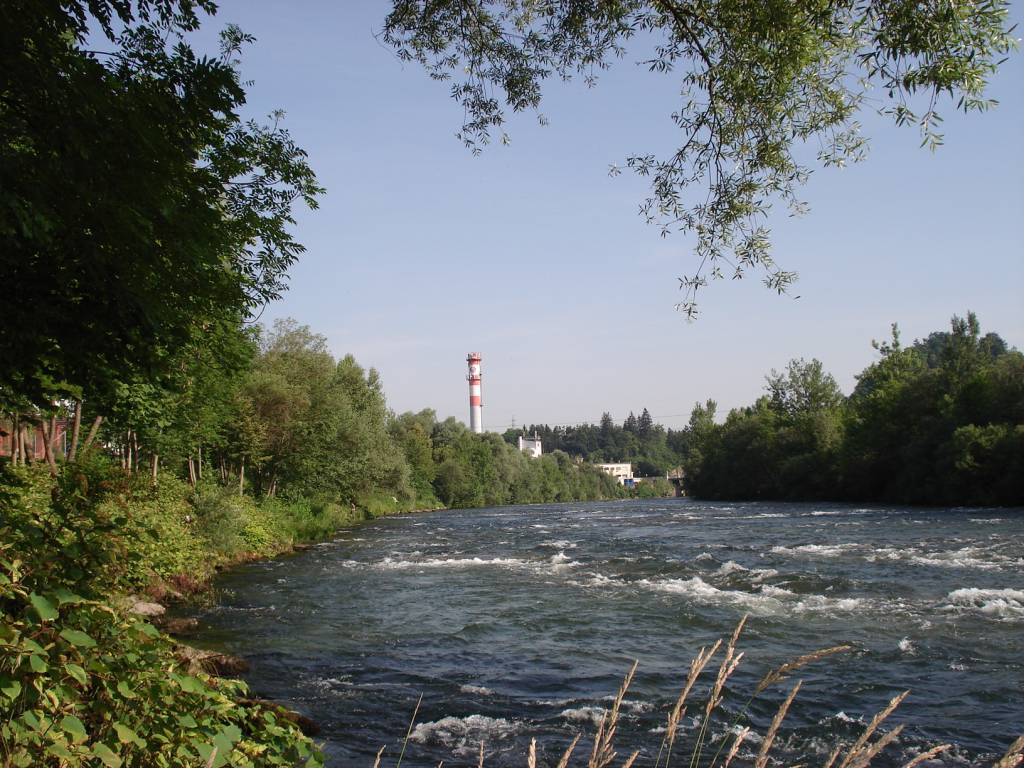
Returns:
<point x="83" y="685"/>
<point x="161" y="530"/>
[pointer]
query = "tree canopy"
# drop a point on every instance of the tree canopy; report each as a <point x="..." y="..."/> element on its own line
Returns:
<point x="758" y="81"/>
<point x="138" y="210"/>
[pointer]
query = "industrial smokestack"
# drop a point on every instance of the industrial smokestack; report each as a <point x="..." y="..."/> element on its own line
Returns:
<point x="476" y="420"/>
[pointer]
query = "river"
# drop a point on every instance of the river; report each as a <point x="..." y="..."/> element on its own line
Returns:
<point x="519" y="622"/>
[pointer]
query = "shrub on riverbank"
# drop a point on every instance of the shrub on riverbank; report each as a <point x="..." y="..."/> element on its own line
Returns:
<point x="82" y="682"/>
<point x="126" y="533"/>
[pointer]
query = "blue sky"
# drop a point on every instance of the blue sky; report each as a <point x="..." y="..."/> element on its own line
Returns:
<point x="534" y="256"/>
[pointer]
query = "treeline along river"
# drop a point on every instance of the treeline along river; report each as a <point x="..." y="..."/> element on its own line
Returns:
<point x="516" y="622"/>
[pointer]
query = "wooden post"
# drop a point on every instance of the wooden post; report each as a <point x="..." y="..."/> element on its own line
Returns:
<point x="241" y="477"/>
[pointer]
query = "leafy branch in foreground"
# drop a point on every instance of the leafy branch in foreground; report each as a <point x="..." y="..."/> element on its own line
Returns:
<point x="758" y="83"/>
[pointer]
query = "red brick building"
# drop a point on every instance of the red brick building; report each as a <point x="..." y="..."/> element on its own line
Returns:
<point x="34" y="440"/>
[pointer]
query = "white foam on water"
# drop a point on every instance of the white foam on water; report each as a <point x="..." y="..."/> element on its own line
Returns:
<point x="559" y="544"/>
<point x="906" y="646"/>
<point x="583" y="714"/>
<point x="987" y="519"/>
<point x="766" y="600"/>
<point x="975" y="557"/>
<point x="563" y="559"/>
<point x="817" y="550"/>
<point x="464" y="734"/>
<point x="841" y="717"/>
<point x="730" y="566"/>
<point x="700" y="591"/>
<point x="636" y="706"/>
<point x="752" y="737"/>
<point x="956" y="667"/>
<point x="813" y="603"/>
<point x="476" y="689"/>
<point x="1005" y="604"/>
<point x="982" y="558"/>
<point x="453" y="562"/>
<point x="598" y="580"/>
<point x="828" y="512"/>
<point x="704" y="556"/>
<point x="758" y="574"/>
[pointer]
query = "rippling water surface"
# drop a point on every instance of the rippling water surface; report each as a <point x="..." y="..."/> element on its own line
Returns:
<point x="520" y="621"/>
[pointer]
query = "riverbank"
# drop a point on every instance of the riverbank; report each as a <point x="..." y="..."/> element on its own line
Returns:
<point x="85" y="676"/>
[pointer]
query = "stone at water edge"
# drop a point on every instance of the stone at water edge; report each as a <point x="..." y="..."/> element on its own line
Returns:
<point x="180" y="626"/>
<point x="210" y="662"/>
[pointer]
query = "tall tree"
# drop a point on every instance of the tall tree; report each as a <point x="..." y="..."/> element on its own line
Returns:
<point x="136" y="206"/>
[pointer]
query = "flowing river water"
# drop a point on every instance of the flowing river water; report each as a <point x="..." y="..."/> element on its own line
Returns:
<point x="519" y="622"/>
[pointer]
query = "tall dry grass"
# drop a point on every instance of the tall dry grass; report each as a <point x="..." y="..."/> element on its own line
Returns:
<point x="858" y="754"/>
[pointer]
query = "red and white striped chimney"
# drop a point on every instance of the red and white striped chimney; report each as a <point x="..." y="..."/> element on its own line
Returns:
<point x="476" y="420"/>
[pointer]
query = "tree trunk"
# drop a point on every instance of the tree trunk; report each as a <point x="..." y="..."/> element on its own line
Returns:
<point x="92" y="434"/>
<point x="136" y="453"/>
<point x="27" y="454"/>
<point x="155" y="459"/>
<point x="191" y="472"/>
<point x="199" y="471"/>
<point x="76" y="426"/>
<point x="48" y="428"/>
<point x="241" y="477"/>
<point x="53" y="434"/>
<point x="15" y="439"/>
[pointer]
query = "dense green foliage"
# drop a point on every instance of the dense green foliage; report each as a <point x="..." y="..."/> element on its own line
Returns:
<point x="939" y="422"/>
<point x="84" y="683"/>
<point x="757" y="82"/>
<point x="138" y="211"/>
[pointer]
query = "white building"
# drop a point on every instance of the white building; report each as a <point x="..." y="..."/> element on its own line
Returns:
<point x="623" y="473"/>
<point x="530" y="445"/>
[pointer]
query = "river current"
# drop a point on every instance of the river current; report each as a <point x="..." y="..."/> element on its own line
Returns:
<point x="519" y="622"/>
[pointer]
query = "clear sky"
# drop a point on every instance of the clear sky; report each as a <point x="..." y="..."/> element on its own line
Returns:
<point x="534" y="256"/>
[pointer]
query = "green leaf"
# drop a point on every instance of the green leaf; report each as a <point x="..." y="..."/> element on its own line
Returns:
<point x="75" y="637"/>
<point x="10" y="688"/>
<point x="74" y="727"/>
<point x="43" y="607"/>
<point x="208" y="751"/>
<point x="65" y="596"/>
<point x="59" y="750"/>
<point x="223" y="745"/>
<point x="124" y="689"/>
<point x="187" y="721"/>
<point x="126" y="735"/>
<point x="190" y="684"/>
<point x="38" y="665"/>
<point x="77" y="672"/>
<point x="104" y="753"/>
